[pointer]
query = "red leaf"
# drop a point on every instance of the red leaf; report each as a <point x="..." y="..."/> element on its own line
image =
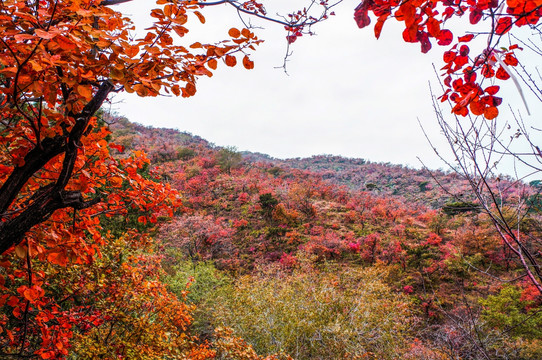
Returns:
<point x="410" y="34"/>
<point x="379" y="24"/>
<point x="465" y="38"/>
<point x="492" y="90"/>
<point x="449" y="56"/>
<point x="503" y="25"/>
<point x="445" y="38"/>
<point x="448" y="12"/>
<point x="510" y="59"/>
<point x="423" y="38"/>
<point x="475" y="16"/>
<point x="477" y="108"/>
<point x="4" y="169"/>
<point x="58" y="258"/>
<point x="433" y="27"/>
<point x="360" y="14"/>
<point x="119" y="148"/>
<point x="502" y="74"/>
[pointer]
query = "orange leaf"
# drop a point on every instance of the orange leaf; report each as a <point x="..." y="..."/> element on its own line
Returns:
<point x="85" y="91"/>
<point x="234" y="33"/>
<point x="175" y="89"/>
<point x="212" y="64"/>
<point x="247" y="63"/>
<point x="231" y="60"/>
<point x="189" y="90"/>
<point x="116" y="181"/>
<point x="491" y="113"/>
<point x="477" y="108"/>
<point x="246" y="33"/>
<point x="64" y="43"/>
<point x="200" y="17"/>
<point x="168" y="10"/>
<point x="58" y="258"/>
<point x="44" y="34"/>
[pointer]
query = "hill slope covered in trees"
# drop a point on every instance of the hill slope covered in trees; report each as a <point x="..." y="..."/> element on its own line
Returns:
<point x="261" y="236"/>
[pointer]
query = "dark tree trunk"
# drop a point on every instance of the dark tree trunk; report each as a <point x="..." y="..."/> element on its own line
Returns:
<point x="51" y="197"/>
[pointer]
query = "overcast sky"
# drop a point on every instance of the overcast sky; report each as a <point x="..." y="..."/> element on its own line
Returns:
<point x="346" y="93"/>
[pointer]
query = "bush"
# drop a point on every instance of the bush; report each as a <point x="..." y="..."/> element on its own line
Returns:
<point x="328" y="314"/>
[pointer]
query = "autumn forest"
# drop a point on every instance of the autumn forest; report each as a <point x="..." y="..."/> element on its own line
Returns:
<point x="124" y="241"/>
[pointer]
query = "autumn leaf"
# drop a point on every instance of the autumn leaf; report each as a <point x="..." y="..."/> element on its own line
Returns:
<point x="234" y="33"/>
<point x="119" y="148"/>
<point x="230" y="60"/>
<point x="477" y="108"/>
<point x="247" y="63"/>
<point x="445" y="38"/>
<point x="475" y="16"/>
<point x="44" y="34"/>
<point x="491" y="113"/>
<point x="200" y="17"/>
<point x="212" y="64"/>
<point x="116" y="181"/>
<point x="465" y="38"/>
<point x="361" y="15"/>
<point x="504" y="24"/>
<point x="85" y="91"/>
<point x="58" y="258"/>
<point x="492" y="90"/>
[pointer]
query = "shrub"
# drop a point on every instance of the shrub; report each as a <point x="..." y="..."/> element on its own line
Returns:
<point x="328" y="314"/>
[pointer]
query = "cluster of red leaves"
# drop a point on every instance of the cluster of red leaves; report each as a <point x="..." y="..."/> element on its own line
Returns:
<point x="425" y="19"/>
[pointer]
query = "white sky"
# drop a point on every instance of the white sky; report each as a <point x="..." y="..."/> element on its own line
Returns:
<point x="346" y="94"/>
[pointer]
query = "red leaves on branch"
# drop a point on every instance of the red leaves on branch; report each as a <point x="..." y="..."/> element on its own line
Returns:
<point x="422" y="21"/>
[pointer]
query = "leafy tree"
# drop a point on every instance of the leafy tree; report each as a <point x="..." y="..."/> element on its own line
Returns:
<point x="228" y="158"/>
<point x="268" y="202"/>
<point x="61" y="59"/>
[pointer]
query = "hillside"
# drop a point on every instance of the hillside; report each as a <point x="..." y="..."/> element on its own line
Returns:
<point x="252" y="215"/>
